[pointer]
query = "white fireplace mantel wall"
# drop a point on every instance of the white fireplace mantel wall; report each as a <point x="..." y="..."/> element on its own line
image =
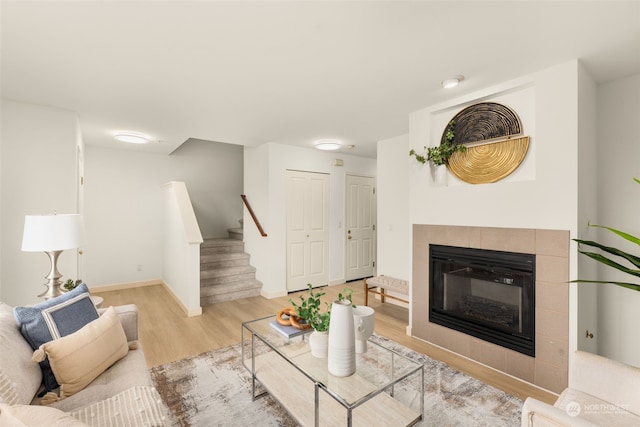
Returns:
<point x="552" y="190"/>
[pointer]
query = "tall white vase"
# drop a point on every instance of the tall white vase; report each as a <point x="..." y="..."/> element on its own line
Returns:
<point x="342" y="341"/>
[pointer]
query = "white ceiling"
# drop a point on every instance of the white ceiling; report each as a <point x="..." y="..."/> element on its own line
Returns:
<point x="290" y="72"/>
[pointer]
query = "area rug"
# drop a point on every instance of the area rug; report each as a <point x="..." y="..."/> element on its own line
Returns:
<point x="214" y="389"/>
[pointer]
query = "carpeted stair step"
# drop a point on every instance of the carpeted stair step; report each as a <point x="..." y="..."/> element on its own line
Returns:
<point x="227" y="274"/>
<point x="229" y="291"/>
<point x="236" y="233"/>
<point x="221" y="246"/>
<point x="223" y="260"/>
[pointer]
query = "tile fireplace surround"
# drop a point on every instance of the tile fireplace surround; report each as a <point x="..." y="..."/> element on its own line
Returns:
<point x="549" y="369"/>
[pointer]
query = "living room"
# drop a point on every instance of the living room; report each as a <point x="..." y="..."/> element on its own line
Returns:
<point x="578" y="105"/>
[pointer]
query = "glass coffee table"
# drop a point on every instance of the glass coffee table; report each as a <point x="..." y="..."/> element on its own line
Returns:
<point x="386" y="389"/>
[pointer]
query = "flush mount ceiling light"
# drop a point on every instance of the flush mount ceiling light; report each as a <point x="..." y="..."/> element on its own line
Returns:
<point x="131" y="137"/>
<point x="327" y="144"/>
<point x="452" y="82"/>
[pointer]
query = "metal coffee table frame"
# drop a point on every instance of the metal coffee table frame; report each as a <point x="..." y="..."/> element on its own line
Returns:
<point x="260" y="329"/>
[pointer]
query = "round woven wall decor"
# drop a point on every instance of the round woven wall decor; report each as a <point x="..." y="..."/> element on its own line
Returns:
<point x="489" y="162"/>
<point x="495" y="148"/>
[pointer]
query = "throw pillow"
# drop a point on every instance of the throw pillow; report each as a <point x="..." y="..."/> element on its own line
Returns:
<point x="20" y="379"/>
<point x="79" y="358"/>
<point x="29" y="415"/>
<point x="52" y="319"/>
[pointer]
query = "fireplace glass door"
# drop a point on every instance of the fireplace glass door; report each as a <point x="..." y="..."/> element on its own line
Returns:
<point x="486" y="294"/>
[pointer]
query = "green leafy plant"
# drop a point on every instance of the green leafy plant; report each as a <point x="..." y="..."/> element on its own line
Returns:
<point x="70" y="285"/>
<point x="310" y="308"/>
<point x="633" y="260"/>
<point x="440" y="154"/>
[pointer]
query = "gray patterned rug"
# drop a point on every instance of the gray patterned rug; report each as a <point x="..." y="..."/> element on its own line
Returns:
<point x="214" y="389"/>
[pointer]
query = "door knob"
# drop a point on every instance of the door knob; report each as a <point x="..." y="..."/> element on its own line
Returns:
<point x="349" y="237"/>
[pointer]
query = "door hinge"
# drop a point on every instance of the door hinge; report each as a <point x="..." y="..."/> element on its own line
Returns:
<point x="374" y="263"/>
<point x="374" y="190"/>
<point x="374" y="227"/>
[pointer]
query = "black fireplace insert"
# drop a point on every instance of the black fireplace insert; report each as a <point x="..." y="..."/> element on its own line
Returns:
<point x="487" y="294"/>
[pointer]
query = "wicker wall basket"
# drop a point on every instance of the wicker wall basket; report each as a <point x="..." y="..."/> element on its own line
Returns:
<point x="492" y="133"/>
<point x="489" y="162"/>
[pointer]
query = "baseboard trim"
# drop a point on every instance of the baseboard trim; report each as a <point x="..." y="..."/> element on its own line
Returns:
<point x="190" y="312"/>
<point x="272" y="295"/>
<point x="129" y="285"/>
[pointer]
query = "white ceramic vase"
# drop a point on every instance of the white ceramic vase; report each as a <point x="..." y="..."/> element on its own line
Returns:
<point x="319" y="343"/>
<point x="342" y="342"/>
<point x="363" y="317"/>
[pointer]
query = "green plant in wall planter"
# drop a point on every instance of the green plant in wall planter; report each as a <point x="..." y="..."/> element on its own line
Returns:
<point x="440" y="154"/>
<point x="633" y="262"/>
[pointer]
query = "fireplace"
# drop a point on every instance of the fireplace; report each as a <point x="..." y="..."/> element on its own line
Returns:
<point x="484" y="293"/>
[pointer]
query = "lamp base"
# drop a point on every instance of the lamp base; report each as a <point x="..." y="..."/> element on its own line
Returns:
<point x="53" y="290"/>
<point x="53" y="284"/>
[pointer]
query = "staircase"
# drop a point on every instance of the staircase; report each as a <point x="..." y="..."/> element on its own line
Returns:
<point x="225" y="273"/>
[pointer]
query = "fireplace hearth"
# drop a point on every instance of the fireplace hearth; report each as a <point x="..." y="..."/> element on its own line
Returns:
<point x="484" y="293"/>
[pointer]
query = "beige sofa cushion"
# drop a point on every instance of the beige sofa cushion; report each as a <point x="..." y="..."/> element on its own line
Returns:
<point x="128" y="372"/>
<point x="79" y="358"/>
<point x="136" y="406"/>
<point x="607" y="379"/>
<point x="20" y="378"/>
<point x="28" y="415"/>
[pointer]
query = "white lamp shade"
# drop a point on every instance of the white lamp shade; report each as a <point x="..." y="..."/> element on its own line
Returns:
<point x="45" y="233"/>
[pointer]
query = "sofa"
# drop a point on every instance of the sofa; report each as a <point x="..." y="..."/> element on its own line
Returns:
<point x="121" y="395"/>
<point x="601" y="392"/>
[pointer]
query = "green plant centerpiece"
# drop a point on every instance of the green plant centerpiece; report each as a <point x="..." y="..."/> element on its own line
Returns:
<point x="632" y="262"/>
<point x="316" y="314"/>
<point x="440" y="154"/>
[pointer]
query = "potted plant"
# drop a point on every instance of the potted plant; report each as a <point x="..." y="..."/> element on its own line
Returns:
<point x="318" y="317"/>
<point x="621" y="255"/>
<point x="439" y="155"/>
<point x="70" y="285"/>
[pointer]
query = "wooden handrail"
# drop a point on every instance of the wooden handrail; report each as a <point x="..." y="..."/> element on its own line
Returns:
<point x="253" y="215"/>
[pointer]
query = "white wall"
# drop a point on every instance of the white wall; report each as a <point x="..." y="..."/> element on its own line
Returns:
<point x="619" y="207"/>
<point x="541" y="194"/>
<point x="587" y="294"/>
<point x="181" y="244"/>
<point x="38" y="176"/>
<point x="394" y="228"/>
<point x="265" y="187"/>
<point x="123" y="205"/>
<point x="213" y="173"/>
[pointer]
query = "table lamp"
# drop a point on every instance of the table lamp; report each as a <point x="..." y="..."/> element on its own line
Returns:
<point x="52" y="234"/>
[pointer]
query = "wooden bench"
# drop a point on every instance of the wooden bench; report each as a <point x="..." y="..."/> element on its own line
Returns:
<point x="387" y="283"/>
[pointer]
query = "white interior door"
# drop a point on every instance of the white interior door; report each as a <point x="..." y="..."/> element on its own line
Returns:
<point x="307" y="229"/>
<point x="360" y="227"/>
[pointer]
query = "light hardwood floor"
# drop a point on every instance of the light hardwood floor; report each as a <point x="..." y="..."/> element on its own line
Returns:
<point x="167" y="334"/>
